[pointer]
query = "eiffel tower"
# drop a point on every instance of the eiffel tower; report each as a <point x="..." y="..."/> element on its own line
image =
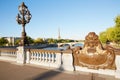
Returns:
<point x="59" y="37"/>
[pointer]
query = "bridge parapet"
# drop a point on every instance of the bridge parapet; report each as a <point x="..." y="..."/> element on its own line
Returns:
<point x="61" y="60"/>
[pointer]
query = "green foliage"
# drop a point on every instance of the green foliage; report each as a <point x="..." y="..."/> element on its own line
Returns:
<point x="113" y="33"/>
<point x="103" y="37"/>
<point x="3" y="41"/>
<point x="30" y="40"/>
<point x="17" y="41"/>
<point x="110" y="32"/>
<point x="50" y="40"/>
<point x="64" y="40"/>
<point x="39" y="41"/>
<point x="117" y="34"/>
<point x="117" y="21"/>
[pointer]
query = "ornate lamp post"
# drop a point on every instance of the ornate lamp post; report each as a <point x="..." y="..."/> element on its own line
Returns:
<point x="23" y="18"/>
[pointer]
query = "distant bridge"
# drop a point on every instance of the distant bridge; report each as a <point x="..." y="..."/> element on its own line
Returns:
<point x="70" y="44"/>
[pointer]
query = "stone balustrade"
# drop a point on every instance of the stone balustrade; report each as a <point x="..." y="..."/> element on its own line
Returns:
<point x="8" y="54"/>
<point x="62" y="60"/>
<point x="11" y="52"/>
<point x="50" y="58"/>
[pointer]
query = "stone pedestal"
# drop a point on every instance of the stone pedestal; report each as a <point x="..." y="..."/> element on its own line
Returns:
<point x="21" y="54"/>
<point x="67" y="62"/>
<point x="117" y="61"/>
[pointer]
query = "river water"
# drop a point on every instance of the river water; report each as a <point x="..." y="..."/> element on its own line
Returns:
<point x="64" y="47"/>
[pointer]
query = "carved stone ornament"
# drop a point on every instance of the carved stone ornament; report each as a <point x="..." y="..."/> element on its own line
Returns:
<point x="93" y="55"/>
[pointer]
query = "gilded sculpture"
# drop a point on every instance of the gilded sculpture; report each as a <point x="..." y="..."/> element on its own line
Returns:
<point x="93" y="55"/>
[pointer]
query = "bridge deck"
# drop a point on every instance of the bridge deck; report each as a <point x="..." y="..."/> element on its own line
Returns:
<point x="12" y="71"/>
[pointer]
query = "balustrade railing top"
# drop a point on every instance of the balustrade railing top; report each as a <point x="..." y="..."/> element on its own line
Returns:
<point x="53" y="51"/>
<point x="8" y="49"/>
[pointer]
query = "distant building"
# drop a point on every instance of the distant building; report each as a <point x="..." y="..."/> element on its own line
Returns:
<point x="11" y="40"/>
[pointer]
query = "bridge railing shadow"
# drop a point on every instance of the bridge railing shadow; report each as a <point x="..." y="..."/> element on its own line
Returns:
<point x="49" y="75"/>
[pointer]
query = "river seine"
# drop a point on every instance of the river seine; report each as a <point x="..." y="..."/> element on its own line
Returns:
<point x="64" y="47"/>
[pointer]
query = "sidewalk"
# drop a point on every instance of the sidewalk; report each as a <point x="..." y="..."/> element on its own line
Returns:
<point x="12" y="71"/>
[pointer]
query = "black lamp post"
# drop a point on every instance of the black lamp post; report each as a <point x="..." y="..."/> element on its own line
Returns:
<point x="23" y="18"/>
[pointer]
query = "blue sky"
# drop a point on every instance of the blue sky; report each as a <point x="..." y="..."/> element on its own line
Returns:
<point x="75" y="18"/>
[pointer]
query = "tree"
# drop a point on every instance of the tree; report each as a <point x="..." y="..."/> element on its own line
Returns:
<point x="113" y="33"/>
<point x="117" y="34"/>
<point x="117" y="29"/>
<point x="103" y="37"/>
<point x="17" y="42"/>
<point x="3" y="41"/>
<point x="117" y="21"/>
<point x="30" y="40"/>
<point x="51" y="40"/>
<point x="110" y="32"/>
<point x="39" y="41"/>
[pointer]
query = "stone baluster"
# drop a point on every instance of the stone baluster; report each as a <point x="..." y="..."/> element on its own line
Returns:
<point x="52" y="58"/>
<point x="45" y="56"/>
<point x="32" y="56"/>
<point x="49" y="58"/>
<point x="29" y="56"/>
<point x="37" y="56"/>
<point x="58" y="60"/>
<point x="40" y="58"/>
<point x="55" y="57"/>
